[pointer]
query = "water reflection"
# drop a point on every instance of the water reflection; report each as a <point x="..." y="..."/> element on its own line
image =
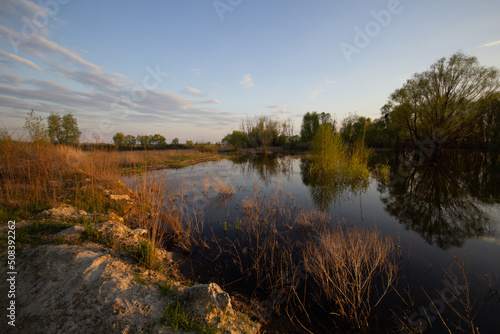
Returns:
<point x="327" y="188"/>
<point x="267" y="166"/>
<point x="443" y="201"/>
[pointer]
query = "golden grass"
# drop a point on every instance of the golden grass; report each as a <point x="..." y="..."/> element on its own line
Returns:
<point x="353" y="269"/>
<point x="34" y="176"/>
<point x="42" y="175"/>
<point x="281" y="248"/>
<point x="162" y="158"/>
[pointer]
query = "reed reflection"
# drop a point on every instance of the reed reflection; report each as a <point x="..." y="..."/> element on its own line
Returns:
<point x="327" y="188"/>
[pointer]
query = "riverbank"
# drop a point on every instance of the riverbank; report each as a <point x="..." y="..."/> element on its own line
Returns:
<point x="81" y="273"/>
<point x="87" y="255"/>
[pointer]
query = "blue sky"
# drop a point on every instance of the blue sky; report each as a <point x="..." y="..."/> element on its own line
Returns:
<point x="194" y="69"/>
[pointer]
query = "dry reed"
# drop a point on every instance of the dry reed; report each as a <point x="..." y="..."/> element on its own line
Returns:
<point x="224" y="188"/>
<point x="353" y="269"/>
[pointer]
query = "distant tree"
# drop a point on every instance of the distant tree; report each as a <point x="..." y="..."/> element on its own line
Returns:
<point x="142" y="140"/>
<point x="189" y="143"/>
<point x="4" y="135"/>
<point x="63" y="130"/>
<point x="130" y="141"/>
<point x="265" y="131"/>
<point x="119" y="139"/>
<point x="175" y="141"/>
<point x="437" y="106"/>
<point x="157" y="141"/>
<point x="311" y="123"/>
<point x="353" y="128"/>
<point x="35" y="126"/>
<point x="235" y="139"/>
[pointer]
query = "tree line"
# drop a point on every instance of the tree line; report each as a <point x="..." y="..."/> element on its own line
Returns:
<point x="121" y="140"/>
<point x="453" y="104"/>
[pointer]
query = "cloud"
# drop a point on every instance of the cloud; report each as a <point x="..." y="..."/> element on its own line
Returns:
<point x="218" y="86"/>
<point x="21" y="60"/>
<point x="28" y="14"/>
<point x="487" y="45"/>
<point x="278" y="109"/>
<point x="87" y="90"/>
<point x="246" y="81"/>
<point x="214" y="101"/>
<point x="314" y="94"/>
<point x="328" y="82"/>
<point x="194" y="91"/>
<point x="196" y="71"/>
<point x="11" y="80"/>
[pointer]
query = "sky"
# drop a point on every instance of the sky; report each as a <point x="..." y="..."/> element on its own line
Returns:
<point x="193" y="70"/>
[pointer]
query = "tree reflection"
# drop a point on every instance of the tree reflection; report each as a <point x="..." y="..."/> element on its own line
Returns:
<point x="327" y="188"/>
<point x="266" y="166"/>
<point x="440" y="199"/>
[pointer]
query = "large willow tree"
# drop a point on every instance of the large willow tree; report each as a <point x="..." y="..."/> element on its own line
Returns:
<point x="436" y="107"/>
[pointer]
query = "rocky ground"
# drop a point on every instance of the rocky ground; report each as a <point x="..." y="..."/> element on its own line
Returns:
<point x="66" y="285"/>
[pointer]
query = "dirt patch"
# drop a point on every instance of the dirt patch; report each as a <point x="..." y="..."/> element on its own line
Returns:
<point x="90" y="288"/>
<point x="82" y="289"/>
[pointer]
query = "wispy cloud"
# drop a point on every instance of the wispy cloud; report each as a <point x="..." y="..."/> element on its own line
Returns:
<point x="21" y="60"/>
<point x="324" y="84"/>
<point x="487" y="45"/>
<point x="278" y="109"/>
<point x="196" y="71"/>
<point x="214" y="101"/>
<point x="328" y="82"/>
<point x="194" y="92"/>
<point x="315" y="93"/>
<point x="219" y="86"/>
<point x="88" y="90"/>
<point x="246" y="81"/>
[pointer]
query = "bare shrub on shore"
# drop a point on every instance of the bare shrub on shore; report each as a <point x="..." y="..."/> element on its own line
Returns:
<point x="353" y="269"/>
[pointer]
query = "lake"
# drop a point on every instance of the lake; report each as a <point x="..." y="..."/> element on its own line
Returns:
<point x="434" y="211"/>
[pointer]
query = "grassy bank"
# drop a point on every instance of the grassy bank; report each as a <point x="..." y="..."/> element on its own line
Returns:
<point x="159" y="159"/>
<point x="36" y="176"/>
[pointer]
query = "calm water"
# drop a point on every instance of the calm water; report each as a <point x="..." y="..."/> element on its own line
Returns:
<point x="435" y="211"/>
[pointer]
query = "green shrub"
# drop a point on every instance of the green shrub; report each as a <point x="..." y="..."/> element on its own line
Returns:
<point x="331" y="155"/>
<point x="146" y="253"/>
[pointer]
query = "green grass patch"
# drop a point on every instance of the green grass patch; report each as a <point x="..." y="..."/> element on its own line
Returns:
<point x="92" y="235"/>
<point x="146" y="254"/>
<point x="92" y="199"/>
<point x="166" y="288"/>
<point x="38" y="233"/>
<point x="176" y="316"/>
<point x="139" y="279"/>
<point x="21" y="212"/>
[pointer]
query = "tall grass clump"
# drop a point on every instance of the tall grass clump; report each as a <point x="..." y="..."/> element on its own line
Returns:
<point x="175" y="315"/>
<point x="331" y="155"/>
<point x="38" y="175"/>
<point x="148" y="255"/>
<point x="353" y="270"/>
